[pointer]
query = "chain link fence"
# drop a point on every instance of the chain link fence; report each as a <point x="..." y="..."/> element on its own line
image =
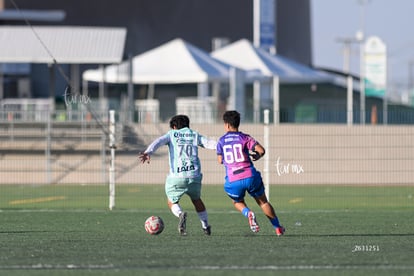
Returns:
<point x="77" y="152"/>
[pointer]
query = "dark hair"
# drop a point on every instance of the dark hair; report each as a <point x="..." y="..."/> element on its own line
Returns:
<point x="232" y="117"/>
<point x="180" y="121"/>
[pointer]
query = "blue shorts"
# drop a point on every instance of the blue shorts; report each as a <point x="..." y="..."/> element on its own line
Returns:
<point x="176" y="187"/>
<point x="236" y="190"/>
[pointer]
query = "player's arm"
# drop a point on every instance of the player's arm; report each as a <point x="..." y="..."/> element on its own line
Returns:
<point x="160" y="141"/>
<point x="257" y="152"/>
<point x="207" y="143"/>
<point x="220" y="159"/>
<point x="219" y="153"/>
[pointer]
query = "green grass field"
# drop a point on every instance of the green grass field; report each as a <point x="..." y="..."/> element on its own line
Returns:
<point x="68" y="230"/>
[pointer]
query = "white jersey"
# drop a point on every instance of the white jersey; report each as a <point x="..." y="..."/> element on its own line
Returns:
<point x="183" y="151"/>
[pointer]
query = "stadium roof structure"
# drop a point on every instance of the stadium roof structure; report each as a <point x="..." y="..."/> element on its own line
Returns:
<point x="243" y="54"/>
<point x="33" y="15"/>
<point x="176" y="61"/>
<point x="63" y="44"/>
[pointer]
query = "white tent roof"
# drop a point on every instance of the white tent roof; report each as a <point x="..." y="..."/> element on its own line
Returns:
<point x="244" y="55"/>
<point x="176" y="61"/>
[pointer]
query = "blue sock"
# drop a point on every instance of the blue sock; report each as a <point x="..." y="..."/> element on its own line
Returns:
<point x="245" y="211"/>
<point x="275" y="222"/>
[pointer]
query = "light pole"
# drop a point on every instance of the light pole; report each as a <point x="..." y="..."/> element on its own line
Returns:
<point x="361" y="38"/>
<point x="411" y="81"/>
<point x="347" y="43"/>
<point x="410" y="74"/>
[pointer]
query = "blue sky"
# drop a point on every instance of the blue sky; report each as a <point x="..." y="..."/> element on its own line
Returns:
<point x="390" y="20"/>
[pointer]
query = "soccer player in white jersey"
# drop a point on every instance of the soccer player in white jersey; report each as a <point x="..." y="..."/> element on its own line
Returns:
<point x="185" y="175"/>
<point x="241" y="176"/>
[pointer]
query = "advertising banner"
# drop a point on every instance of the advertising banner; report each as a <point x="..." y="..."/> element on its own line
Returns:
<point x="265" y="24"/>
<point x="375" y="66"/>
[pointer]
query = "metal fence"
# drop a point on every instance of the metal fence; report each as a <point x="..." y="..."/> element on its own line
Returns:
<point x="77" y="152"/>
<point x="199" y="110"/>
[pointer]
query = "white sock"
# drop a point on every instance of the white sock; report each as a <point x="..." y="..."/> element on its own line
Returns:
<point x="176" y="209"/>
<point x="203" y="218"/>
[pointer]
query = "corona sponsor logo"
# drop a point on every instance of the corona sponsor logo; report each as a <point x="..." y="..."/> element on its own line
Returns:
<point x="182" y="135"/>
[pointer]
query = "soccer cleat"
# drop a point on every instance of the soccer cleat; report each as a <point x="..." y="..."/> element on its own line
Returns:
<point x="182" y="224"/>
<point x="207" y="230"/>
<point x="280" y="230"/>
<point x="253" y="223"/>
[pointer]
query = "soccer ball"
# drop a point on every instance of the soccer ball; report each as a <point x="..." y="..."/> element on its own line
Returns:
<point x="154" y="225"/>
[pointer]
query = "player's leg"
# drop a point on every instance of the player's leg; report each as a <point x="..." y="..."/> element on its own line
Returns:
<point x="175" y="189"/>
<point x="175" y="208"/>
<point x="266" y="207"/>
<point x="194" y="192"/>
<point x="202" y="215"/>
<point x="174" y="194"/>
<point x="249" y="214"/>
<point x="257" y="191"/>
<point x="236" y="190"/>
<point x="269" y="211"/>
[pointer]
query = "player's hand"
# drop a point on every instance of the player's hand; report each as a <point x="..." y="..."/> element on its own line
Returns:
<point x="144" y="157"/>
<point x="255" y="155"/>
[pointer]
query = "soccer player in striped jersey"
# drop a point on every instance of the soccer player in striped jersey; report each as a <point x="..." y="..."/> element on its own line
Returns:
<point x="185" y="175"/>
